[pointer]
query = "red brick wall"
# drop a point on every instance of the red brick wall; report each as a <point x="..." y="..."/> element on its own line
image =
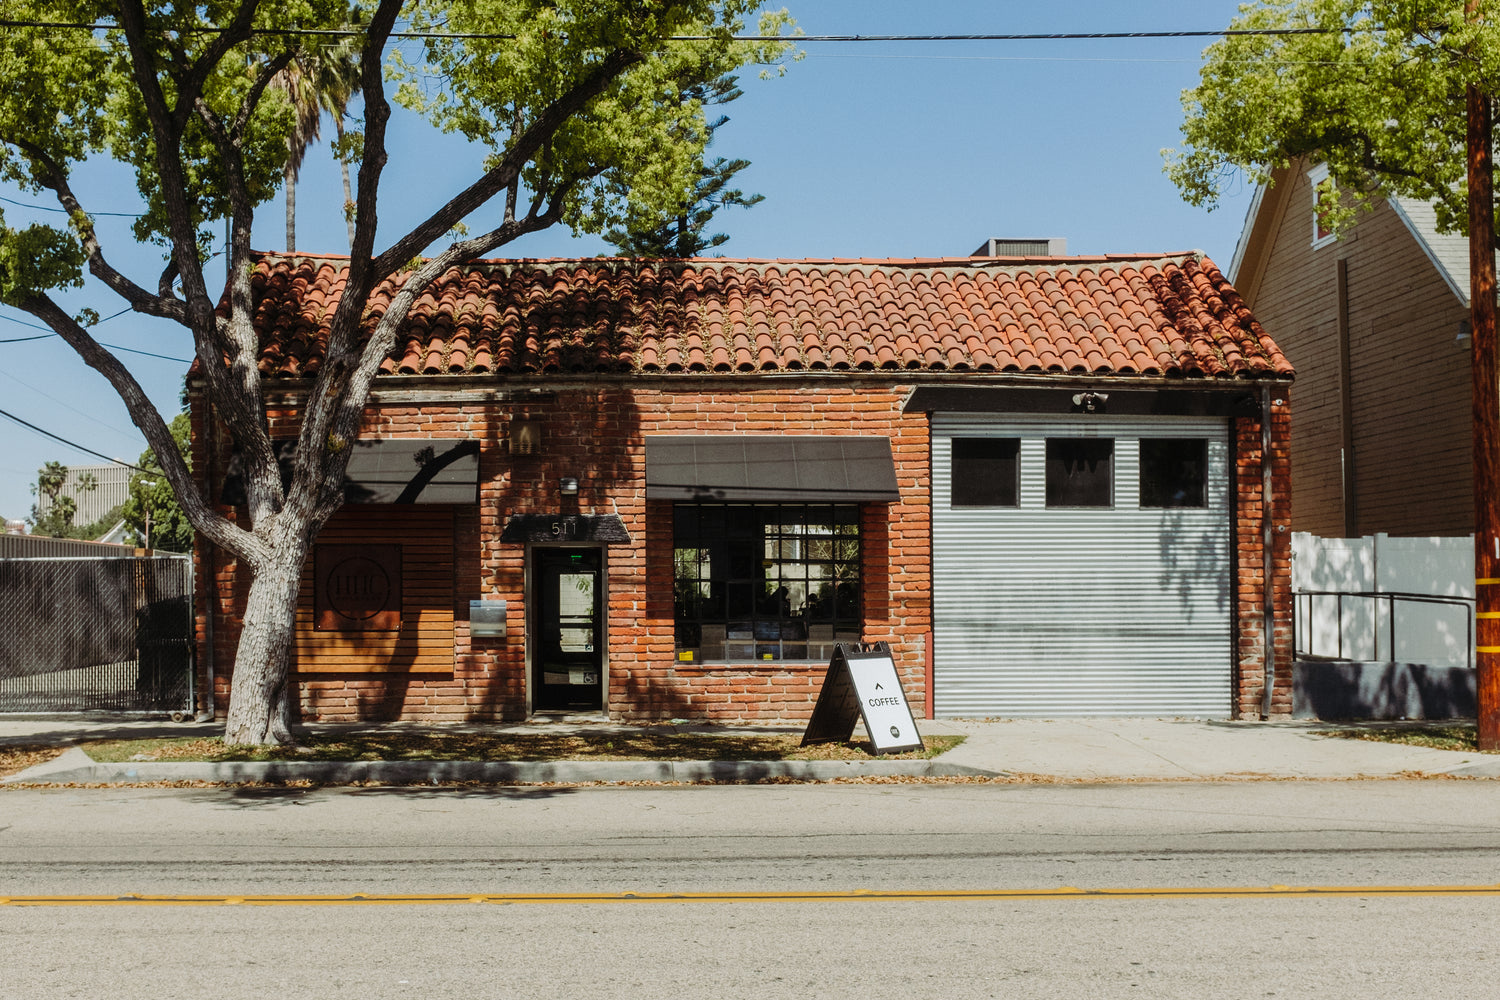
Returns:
<point x="1250" y="528"/>
<point x="596" y="434"/>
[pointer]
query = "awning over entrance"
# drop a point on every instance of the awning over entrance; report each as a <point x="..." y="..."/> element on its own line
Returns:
<point x="391" y="470"/>
<point x="830" y="468"/>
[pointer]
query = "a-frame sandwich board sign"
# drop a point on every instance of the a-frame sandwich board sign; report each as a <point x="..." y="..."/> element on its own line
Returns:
<point x="861" y="683"/>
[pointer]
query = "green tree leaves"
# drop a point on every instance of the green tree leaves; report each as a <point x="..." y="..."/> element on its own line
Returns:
<point x="152" y="510"/>
<point x="643" y="134"/>
<point x="587" y="106"/>
<point x="35" y="259"/>
<point x="1377" y="94"/>
<point x="55" y="509"/>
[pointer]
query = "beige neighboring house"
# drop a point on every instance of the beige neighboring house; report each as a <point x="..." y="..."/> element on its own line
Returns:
<point x="1377" y="319"/>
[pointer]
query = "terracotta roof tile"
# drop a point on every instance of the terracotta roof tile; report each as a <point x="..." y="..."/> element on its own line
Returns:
<point x="1171" y="315"/>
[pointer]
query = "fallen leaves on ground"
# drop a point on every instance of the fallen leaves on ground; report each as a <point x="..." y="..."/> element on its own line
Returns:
<point x="1462" y="736"/>
<point x="17" y="757"/>
<point x="642" y="744"/>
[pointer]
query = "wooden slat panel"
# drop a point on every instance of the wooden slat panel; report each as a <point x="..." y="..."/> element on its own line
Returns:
<point x="425" y="642"/>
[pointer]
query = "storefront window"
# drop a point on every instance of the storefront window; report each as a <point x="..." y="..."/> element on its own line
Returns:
<point x="756" y="582"/>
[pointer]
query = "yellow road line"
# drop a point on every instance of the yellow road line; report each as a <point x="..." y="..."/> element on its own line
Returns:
<point x="856" y="895"/>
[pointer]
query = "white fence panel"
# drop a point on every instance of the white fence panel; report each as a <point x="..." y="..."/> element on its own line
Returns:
<point x="1435" y="634"/>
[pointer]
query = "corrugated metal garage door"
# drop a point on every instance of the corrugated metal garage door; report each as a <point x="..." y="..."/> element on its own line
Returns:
<point x="1067" y="611"/>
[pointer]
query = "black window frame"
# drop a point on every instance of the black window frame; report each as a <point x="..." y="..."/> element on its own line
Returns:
<point x="765" y="582"/>
<point x="979" y="477"/>
<point x="1073" y="490"/>
<point x="1173" y="491"/>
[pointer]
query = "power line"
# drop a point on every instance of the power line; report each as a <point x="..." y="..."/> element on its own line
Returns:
<point x="22" y="322"/>
<point x="50" y="208"/>
<point x="1058" y="36"/>
<point x="67" y="406"/>
<point x="113" y="347"/>
<point x="798" y="39"/>
<point x="132" y="350"/>
<point x="72" y="444"/>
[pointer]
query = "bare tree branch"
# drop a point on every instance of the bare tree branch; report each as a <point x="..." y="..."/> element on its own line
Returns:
<point x="49" y="175"/>
<point x="166" y="131"/>
<point x="145" y="416"/>
<point x="257" y="91"/>
<point x="504" y="173"/>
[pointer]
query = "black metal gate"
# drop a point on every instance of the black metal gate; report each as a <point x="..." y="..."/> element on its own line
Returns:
<point x="81" y="634"/>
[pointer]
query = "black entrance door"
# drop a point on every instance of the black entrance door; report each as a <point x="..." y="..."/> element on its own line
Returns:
<point x="568" y="667"/>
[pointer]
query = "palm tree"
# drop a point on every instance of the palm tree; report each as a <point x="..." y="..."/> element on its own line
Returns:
<point x="298" y="81"/>
<point x="314" y="82"/>
<point x="338" y="85"/>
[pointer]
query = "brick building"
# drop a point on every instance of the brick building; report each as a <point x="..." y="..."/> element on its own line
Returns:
<point x="666" y="489"/>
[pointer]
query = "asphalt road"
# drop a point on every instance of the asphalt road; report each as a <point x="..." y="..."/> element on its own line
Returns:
<point x="751" y="852"/>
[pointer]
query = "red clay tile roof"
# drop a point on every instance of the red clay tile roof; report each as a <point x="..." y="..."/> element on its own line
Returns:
<point x="1170" y="315"/>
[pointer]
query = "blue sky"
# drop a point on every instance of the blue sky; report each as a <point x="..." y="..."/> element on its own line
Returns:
<point x="862" y="150"/>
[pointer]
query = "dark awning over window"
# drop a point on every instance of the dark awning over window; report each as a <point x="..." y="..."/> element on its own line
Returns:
<point x="734" y="467"/>
<point x="393" y="470"/>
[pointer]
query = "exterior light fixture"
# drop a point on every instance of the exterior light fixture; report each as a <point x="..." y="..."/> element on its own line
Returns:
<point x="1091" y="402"/>
<point x="568" y="486"/>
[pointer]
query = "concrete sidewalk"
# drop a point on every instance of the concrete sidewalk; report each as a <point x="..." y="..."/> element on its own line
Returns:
<point x="1089" y="750"/>
<point x="1131" y="749"/>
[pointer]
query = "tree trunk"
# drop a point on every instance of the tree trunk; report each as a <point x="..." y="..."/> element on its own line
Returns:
<point x="260" y="698"/>
<point x="338" y="124"/>
<point x="291" y="211"/>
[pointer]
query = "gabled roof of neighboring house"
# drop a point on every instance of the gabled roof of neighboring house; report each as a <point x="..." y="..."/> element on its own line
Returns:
<point x="1449" y="252"/>
<point x="1159" y="315"/>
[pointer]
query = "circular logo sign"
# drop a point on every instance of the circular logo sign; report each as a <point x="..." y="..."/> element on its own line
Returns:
<point x="358" y="588"/>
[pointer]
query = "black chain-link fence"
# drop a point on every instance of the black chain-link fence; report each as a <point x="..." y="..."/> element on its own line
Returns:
<point x="88" y="634"/>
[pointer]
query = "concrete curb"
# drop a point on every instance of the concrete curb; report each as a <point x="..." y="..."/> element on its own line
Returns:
<point x="1484" y="769"/>
<point x="75" y="767"/>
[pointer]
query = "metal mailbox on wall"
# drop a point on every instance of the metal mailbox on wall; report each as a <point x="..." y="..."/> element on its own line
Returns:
<point x="487" y="619"/>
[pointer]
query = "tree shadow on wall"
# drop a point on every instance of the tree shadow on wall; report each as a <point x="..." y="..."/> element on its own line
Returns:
<point x="594" y="435"/>
<point x="1191" y="558"/>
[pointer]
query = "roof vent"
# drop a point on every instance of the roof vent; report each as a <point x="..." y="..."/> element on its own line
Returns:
<point x="1054" y="247"/>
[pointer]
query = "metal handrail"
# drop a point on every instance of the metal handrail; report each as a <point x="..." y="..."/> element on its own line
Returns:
<point x="1390" y="597"/>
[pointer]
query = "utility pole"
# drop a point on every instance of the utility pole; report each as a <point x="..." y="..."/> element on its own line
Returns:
<point x="1486" y="416"/>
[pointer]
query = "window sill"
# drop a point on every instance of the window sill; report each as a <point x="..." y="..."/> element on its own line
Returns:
<point x="746" y="666"/>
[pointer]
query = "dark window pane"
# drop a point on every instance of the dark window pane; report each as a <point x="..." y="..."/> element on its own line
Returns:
<point x="985" y="472"/>
<point x="743" y="522"/>
<point x="1173" y="472"/>
<point x="1080" y="472"/>
<point x="744" y="559"/>
<point x="741" y="600"/>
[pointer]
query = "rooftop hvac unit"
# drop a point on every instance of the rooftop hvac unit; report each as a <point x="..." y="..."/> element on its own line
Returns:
<point x="1052" y="247"/>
